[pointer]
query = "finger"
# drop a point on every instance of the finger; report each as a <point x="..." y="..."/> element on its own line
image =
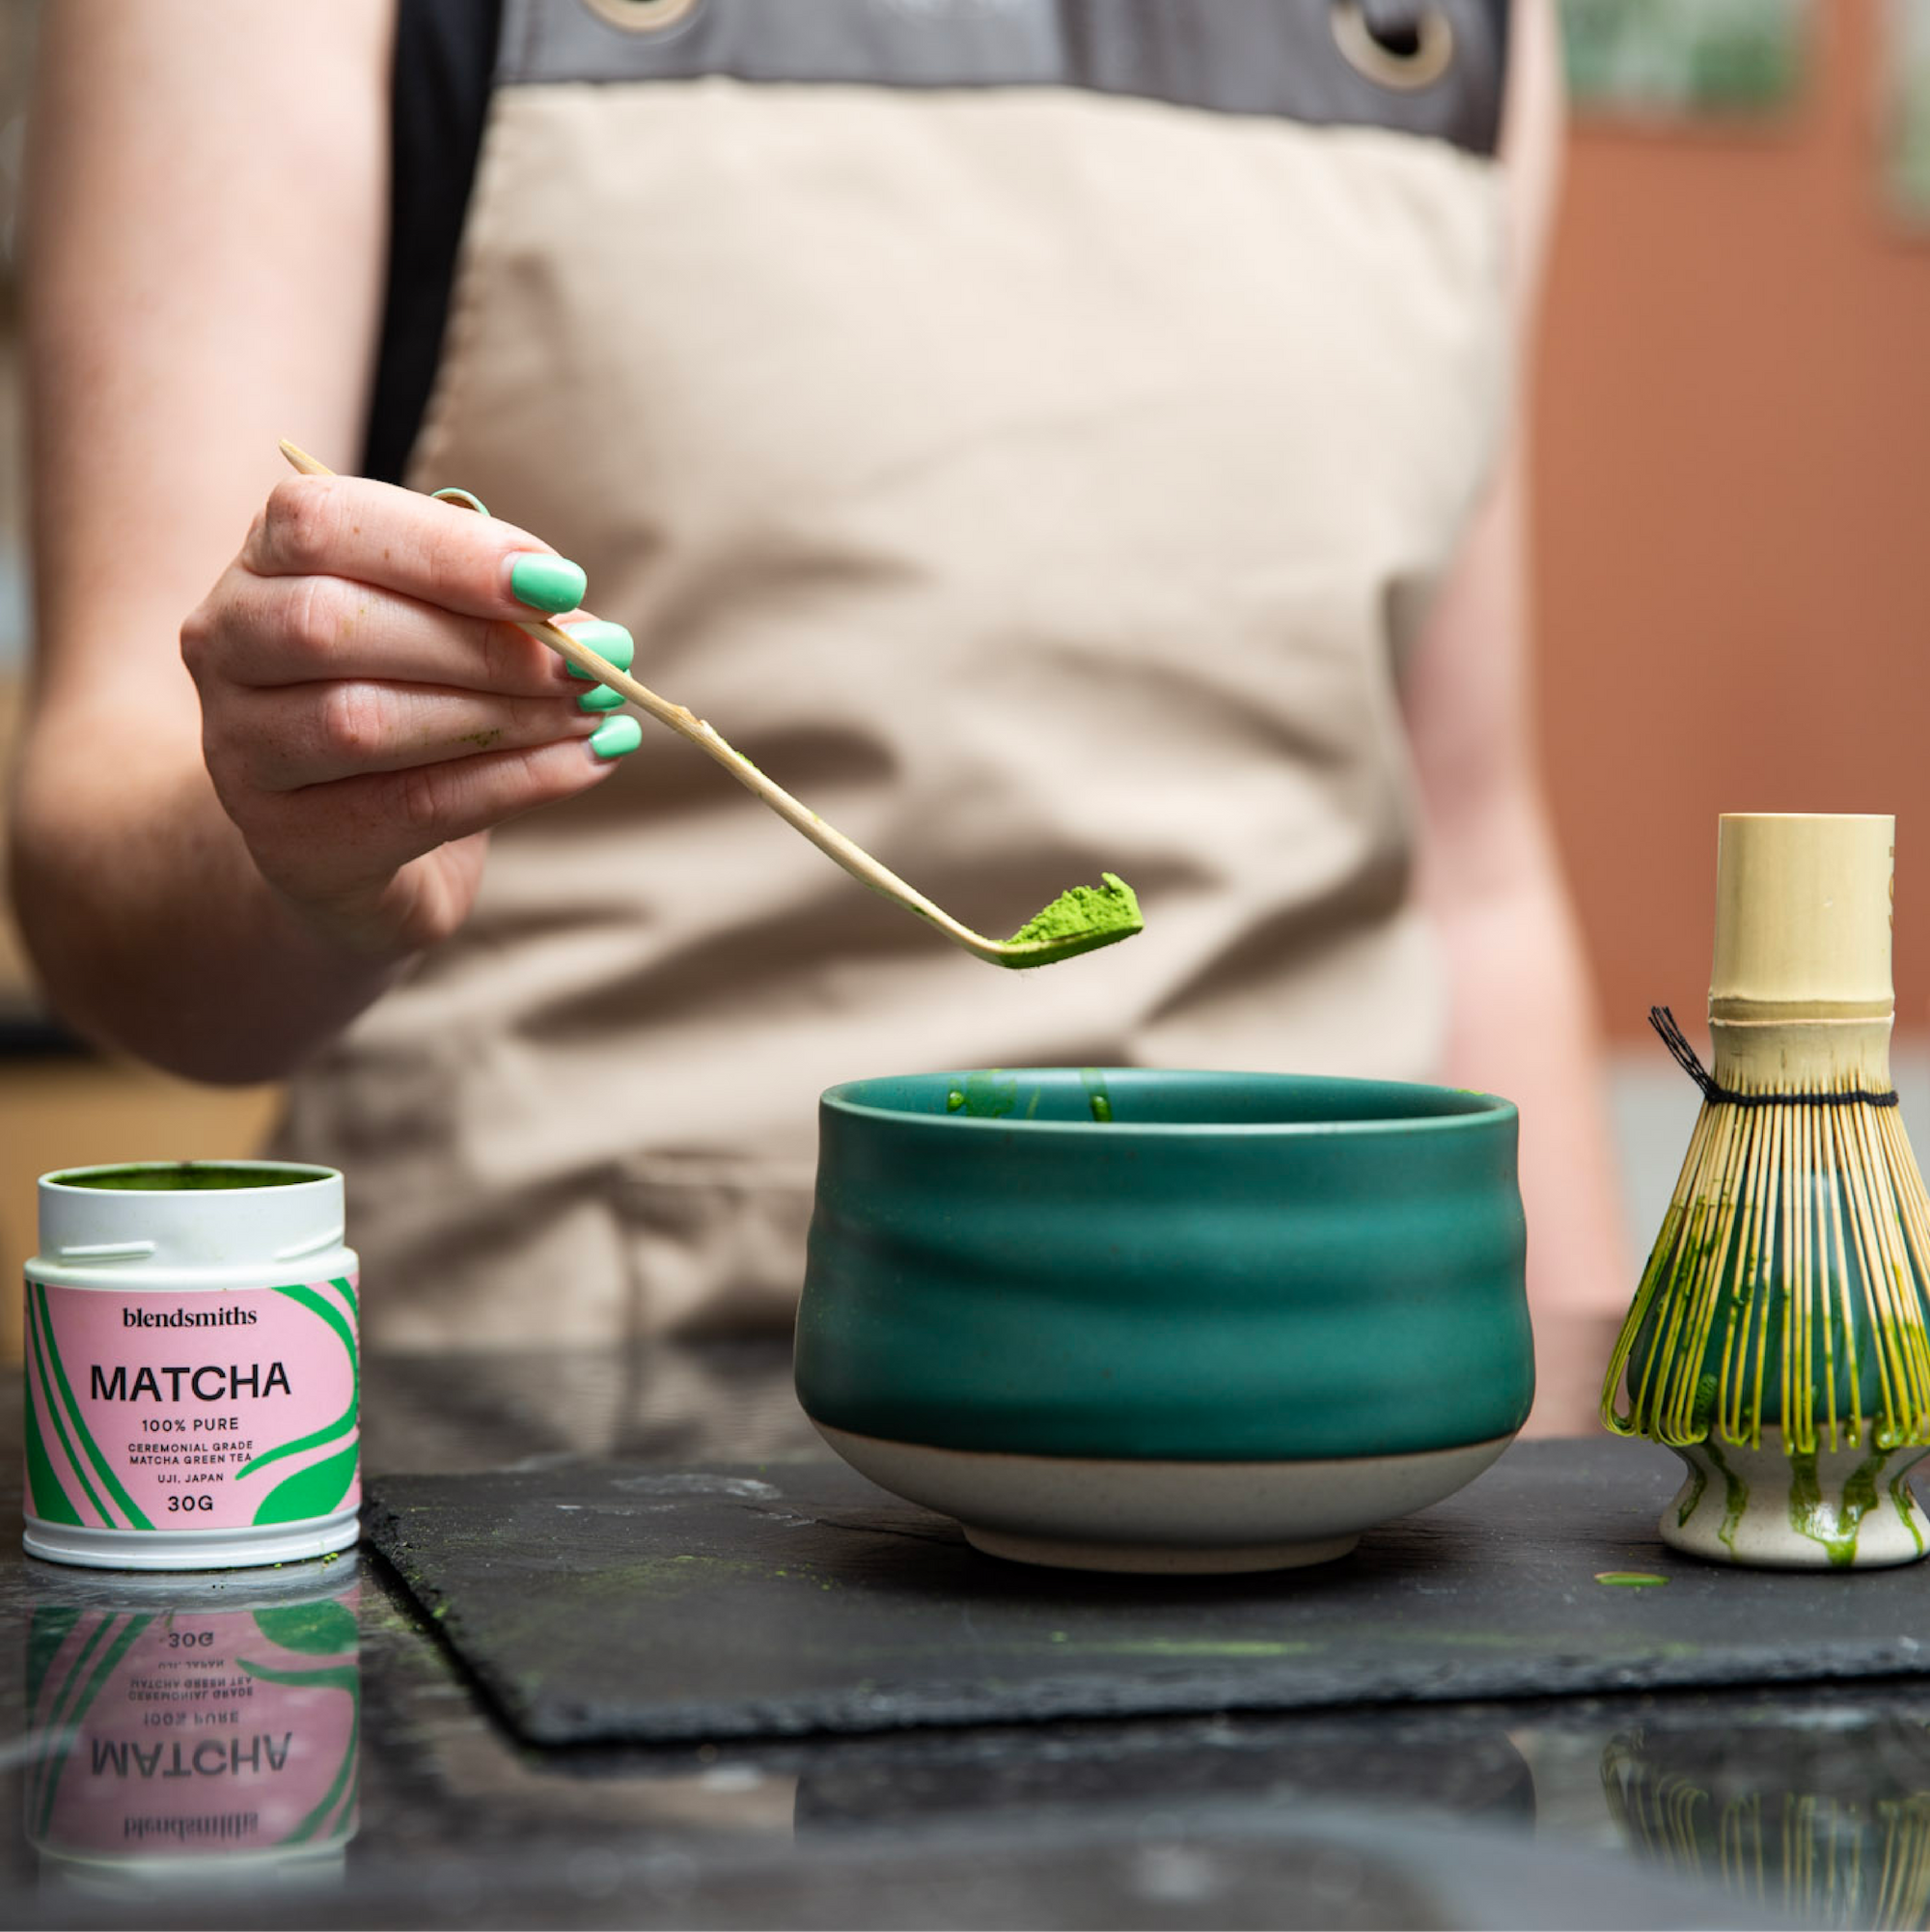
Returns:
<point x="304" y="735"/>
<point x="398" y="540"/>
<point x="367" y="827"/>
<point x="265" y="631"/>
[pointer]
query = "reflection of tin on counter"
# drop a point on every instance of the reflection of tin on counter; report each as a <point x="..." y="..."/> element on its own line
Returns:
<point x="193" y="1375"/>
<point x="192" y="1741"/>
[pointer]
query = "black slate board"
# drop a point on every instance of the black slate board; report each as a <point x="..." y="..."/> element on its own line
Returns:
<point x="599" y="1602"/>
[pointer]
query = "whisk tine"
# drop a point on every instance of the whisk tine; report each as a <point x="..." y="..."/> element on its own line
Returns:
<point x="1802" y="1232"/>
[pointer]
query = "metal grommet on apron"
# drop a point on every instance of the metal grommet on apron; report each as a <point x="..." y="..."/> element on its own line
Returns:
<point x="643" y="17"/>
<point x="1406" y="48"/>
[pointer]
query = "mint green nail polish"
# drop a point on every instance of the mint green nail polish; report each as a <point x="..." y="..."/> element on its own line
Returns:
<point x="601" y="698"/>
<point x="616" y="739"/>
<point x="607" y="640"/>
<point x="465" y="499"/>
<point x="546" y="583"/>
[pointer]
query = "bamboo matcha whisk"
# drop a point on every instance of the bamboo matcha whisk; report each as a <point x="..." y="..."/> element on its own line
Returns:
<point x="1778" y="1337"/>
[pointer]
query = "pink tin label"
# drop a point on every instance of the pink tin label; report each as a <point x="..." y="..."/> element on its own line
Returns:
<point x="180" y="1734"/>
<point x="195" y="1411"/>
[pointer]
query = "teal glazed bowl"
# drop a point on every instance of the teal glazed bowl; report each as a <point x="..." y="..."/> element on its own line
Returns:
<point x="1139" y="1319"/>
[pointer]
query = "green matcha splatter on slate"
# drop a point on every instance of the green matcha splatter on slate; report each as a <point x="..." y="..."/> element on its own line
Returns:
<point x="1080" y="920"/>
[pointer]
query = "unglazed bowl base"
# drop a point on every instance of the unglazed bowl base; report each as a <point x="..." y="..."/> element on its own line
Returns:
<point x="1151" y="1560"/>
<point x="1163" y="1518"/>
<point x="1847" y="1509"/>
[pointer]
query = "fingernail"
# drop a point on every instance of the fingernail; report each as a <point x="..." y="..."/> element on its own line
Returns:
<point x="546" y="583"/>
<point x="617" y="740"/>
<point x="610" y="641"/>
<point x="600" y="699"/>
<point x="465" y="499"/>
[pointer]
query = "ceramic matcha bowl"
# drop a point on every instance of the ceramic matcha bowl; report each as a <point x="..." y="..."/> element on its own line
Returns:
<point x="1160" y="1321"/>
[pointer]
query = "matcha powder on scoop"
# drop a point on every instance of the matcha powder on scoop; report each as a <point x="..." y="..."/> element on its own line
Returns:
<point x="1080" y="920"/>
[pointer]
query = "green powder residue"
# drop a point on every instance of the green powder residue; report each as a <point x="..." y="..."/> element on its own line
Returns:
<point x="1906" y="1507"/>
<point x="1707" y="1391"/>
<point x="1698" y="1481"/>
<point x="185" y="1177"/>
<point x="1812" y="1515"/>
<point x="1735" y="1496"/>
<point x="1097" y="1100"/>
<point x="1080" y="920"/>
<point x="1630" y="1579"/>
<point x="1206" y="1646"/>
<point x="991" y="1096"/>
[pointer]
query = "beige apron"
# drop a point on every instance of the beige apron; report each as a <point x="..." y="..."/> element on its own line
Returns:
<point x="1033" y="479"/>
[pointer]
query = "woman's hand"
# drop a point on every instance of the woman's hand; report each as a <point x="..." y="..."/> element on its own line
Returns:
<point x="369" y="710"/>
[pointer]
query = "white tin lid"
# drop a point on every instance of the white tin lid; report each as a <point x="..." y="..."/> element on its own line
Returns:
<point x="189" y="1214"/>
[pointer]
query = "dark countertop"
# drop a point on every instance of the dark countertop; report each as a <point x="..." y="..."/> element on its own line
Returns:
<point x="1809" y="1803"/>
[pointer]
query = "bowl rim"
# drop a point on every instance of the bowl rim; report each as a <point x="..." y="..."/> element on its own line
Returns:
<point x="1475" y="1109"/>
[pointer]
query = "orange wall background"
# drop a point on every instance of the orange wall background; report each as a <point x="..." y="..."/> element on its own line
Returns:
<point x="1732" y="455"/>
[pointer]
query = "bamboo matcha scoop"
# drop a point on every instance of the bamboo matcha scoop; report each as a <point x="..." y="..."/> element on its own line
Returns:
<point x="1080" y="920"/>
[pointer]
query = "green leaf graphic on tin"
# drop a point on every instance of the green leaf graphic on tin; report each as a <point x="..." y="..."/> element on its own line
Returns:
<point x="69" y="1711"/>
<point x="344" y="1422"/>
<point x="339" y="1677"/>
<point x="49" y="1500"/>
<point x="51" y="1626"/>
<point x="330" y="1677"/>
<point x="38" y="1372"/>
<point x="324" y="1629"/>
<point x="109" y="1480"/>
<point x="314" y="1491"/>
<point x="341" y="1787"/>
<point x="64" y="1402"/>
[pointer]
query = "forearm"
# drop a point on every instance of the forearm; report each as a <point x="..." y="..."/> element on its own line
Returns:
<point x="1522" y="1024"/>
<point x="150" y="924"/>
<point x="197" y="286"/>
<point x="1523" y="1027"/>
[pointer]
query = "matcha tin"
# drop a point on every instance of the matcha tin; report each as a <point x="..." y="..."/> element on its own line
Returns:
<point x="192" y="1367"/>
